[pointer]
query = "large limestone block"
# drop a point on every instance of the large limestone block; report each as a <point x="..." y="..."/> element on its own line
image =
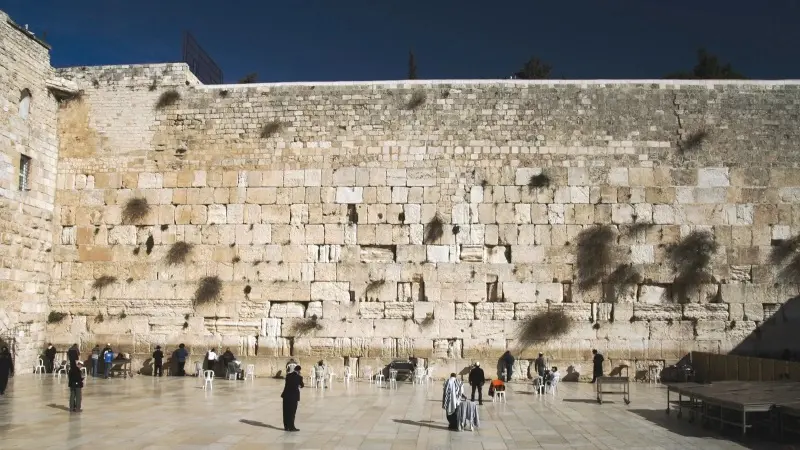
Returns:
<point x="710" y="311"/>
<point x="349" y="195"/>
<point x="330" y="291"/>
<point x="399" y="310"/>
<point x="525" y="310"/>
<point x="644" y="311"/>
<point x="517" y="292"/>
<point x="371" y="310"/>
<point x="464" y="311"/>
<point x="287" y="291"/>
<point x="713" y="177"/>
<point x="671" y="330"/>
<point x="503" y="311"/>
<point x="652" y="295"/>
<point x="484" y="311"/>
<point x="710" y="330"/>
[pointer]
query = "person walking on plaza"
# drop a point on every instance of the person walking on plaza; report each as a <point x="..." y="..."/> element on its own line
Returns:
<point x="73" y="354"/>
<point x="597" y="365"/>
<point x="108" y="357"/>
<point x="6" y="369"/>
<point x="75" y="382"/>
<point x="540" y="365"/>
<point x="451" y="398"/>
<point x="476" y="379"/>
<point x="508" y="363"/>
<point x="181" y="354"/>
<point x="158" y="361"/>
<point x="50" y="358"/>
<point x="95" y="359"/>
<point x="291" y="397"/>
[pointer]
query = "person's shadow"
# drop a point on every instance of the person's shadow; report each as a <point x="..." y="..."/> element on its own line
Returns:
<point x="420" y="424"/>
<point x="61" y="407"/>
<point x="259" y="424"/>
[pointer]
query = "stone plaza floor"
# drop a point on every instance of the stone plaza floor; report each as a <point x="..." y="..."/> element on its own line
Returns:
<point x="176" y="413"/>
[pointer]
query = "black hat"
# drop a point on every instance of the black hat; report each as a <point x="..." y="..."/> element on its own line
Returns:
<point x="297" y="368"/>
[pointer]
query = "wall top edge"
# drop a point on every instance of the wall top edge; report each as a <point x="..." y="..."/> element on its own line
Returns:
<point x="27" y="33"/>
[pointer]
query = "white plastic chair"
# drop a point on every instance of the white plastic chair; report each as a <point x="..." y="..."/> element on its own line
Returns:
<point x="419" y="375"/>
<point x="498" y="395"/>
<point x="393" y="379"/>
<point x="84" y="373"/>
<point x="208" y="376"/>
<point x="538" y="384"/>
<point x="654" y="375"/>
<point x="231" y="374"/>
<point x="347" y="375"/>
<point x="312" y="378"/>
<point x="320" y="376"/>
<point x="198" y="368"/>
<point x="379" y="379"/>
<point x="39" y="368"/>
<point x="367" y="372"/>
<point x="62" y="368"/>
<point x="554" y="385"/>
<point x="250" y="371"/>
<point x="429" y="375"/>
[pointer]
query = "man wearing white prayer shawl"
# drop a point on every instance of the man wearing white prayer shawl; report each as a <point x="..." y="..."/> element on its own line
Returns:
<point x="450" y="400"/>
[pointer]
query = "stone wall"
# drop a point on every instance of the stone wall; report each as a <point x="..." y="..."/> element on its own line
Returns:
<point x="26" y="216"/>
<point x="318" y="200"/>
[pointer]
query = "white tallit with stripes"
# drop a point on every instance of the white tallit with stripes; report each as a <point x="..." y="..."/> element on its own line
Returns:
<point x="452" y="395"/>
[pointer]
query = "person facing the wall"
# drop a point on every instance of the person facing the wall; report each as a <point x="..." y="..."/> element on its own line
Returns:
<point x="73" y="354"/>
<point x="211" y="357"/>
<point x="451" y="398"/>
<point x="597" y="365"/>
<point x="291" y="397"/>
<point x="508" y="363"/>
<point x="476" y="379"/>
<point x="158" y="362"/>
<point x="6" y="369"/>
<point x="181" y="354"/>
<point x="95" y="359"/>
<point x="540" y="365"/>
<point x="108" y="357"/>
<point x="50" y="358"/>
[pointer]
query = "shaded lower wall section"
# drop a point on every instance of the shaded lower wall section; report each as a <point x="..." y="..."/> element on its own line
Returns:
<point x="714" y="367"/>
<point x="778" y="336"/>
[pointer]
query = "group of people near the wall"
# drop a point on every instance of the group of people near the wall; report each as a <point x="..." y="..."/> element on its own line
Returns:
<point x="225" y="363"/>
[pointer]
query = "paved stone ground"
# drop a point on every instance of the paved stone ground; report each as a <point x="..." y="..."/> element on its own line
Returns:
<point x="175" y="413"/>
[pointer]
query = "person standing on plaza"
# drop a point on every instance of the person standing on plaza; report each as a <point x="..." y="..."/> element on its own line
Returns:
<point x="451" y="398"/>
<point x="108" y="357"/>
<point x="597" y="365"/>
<point x="75" y="382"/>
<point x="158" y="361"/>
<point x="291" y="397"/>
<point x="181" y="354"/>
<point x="540" y="365"/>
<point x="73" y="354"/>
<point x="6" y="369"/>
<point x="211" y="357"/>
<point x="508" y="363"/>
<point x="476" y="379"/>
<point x="95" y="359"/>
<point x="50" y="358"/>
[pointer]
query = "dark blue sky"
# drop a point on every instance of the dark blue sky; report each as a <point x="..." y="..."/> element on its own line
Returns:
<point x="332" y="40"/>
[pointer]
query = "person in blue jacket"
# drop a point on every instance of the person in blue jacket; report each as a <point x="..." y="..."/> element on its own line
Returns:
<point x="108" y="356"/>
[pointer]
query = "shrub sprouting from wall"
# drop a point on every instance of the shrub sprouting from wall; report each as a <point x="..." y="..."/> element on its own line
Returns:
<point x="168" y="98"/>
<point x="55" y="317"/>
<point x="304" y="326"/>
<point x="691" y="261"/>
<point x="543" y="327"/>
<point x="428" y="320"/>
<point x="417" y="99"/>
<point x="433" y="230"/>
<point x="693" y="140"/>
<point x="595" y="255"/>
<point x="270" y="129"/>
<point x="135" y="210"/>
<point x="623" y="277"/>
<point x="104" y="281"/>
<point x="208" y="289"/>
<point x="178" y="253"/>
<point x="538" y="181"/>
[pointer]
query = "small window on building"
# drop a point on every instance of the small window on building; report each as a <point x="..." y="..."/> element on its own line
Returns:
<point x="24" y="172"/>
<point x="25" y="103"/>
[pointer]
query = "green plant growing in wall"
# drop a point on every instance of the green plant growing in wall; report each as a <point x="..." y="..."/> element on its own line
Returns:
<point x="104" y="281"/>
<point x="595" y="255"/>
<point x="271" y="128"/>
<point x="178" y="253"/>
<point x="433" y="230"/>
<point x="427" y="320"/>
<point x="372" y="286"/>
<point x="208" y="289"/>
<point x="543" y="327"/>
<point x="624" y="276"/>
<point x="167" y="98"/>
<point x="418" y="98"/>
<point x="691" y="260"/>
<point x="693" y="140"/>
<point x="135" y="209"/>
<point x="55" y="317"/>
<point x="302" y="327"/>
<point x="99" y="318"/>
<point x="538" y="181"/>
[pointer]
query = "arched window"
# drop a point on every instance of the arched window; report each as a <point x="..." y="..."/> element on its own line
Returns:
<point x="25" y="103"/>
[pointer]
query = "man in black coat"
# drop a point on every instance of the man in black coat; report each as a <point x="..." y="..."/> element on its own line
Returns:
<point x="158" y="362"/>
<point x="291" y="397"/>
<point x="73" y="354"/>
<point x="597" y="365"/>
<point x="476" y="380"/>
<point x="6" y="369"/>
<point x="50" y="357"/>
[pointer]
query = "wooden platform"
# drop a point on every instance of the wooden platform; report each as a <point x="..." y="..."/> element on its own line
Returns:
<point x="730" y="402"/>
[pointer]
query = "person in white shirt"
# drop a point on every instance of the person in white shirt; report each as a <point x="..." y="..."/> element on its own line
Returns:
<point x="212" y="359"/>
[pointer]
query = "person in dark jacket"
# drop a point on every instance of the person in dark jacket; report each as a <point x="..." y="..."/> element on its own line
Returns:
<point x="50" y="358"/>
<point x="476" y="379"/>
<point x="6" y="369"/>
<point x="508" y="361"/>
<point x="540" y="365"/>
<point x="75" y="382"/>
<point x="181" y="354"/>
<point x="597" y="365"/>
<point x="291" y="397"/>
<point x="227" y="357"/>
<point x="158" y="361"/>
<point x="73" y="354"/>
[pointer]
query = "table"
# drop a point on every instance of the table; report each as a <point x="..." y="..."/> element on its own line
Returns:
<point x="614" y="381"/>
<point x="121" y="365"/>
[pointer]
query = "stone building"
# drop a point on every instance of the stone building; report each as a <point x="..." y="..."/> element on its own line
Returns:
<point x="367" y="221"/>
